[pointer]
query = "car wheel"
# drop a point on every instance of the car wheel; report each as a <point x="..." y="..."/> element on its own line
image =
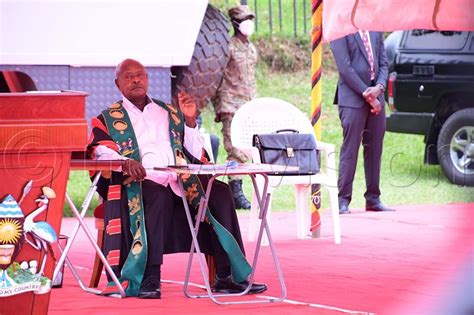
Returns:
<point x="456" y="147"/>
<point x="203" y="76"/>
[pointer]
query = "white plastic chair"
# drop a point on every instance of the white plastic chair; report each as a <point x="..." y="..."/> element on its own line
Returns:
<point x="266" y="115"/>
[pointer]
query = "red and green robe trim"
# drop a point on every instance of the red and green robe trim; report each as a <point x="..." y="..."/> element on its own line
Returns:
<point x="121" y="131"/>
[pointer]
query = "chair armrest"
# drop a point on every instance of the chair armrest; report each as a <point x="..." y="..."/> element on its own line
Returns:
<point x="207" y="144"/>
<point x="96" y="165"/>
<point x="256" y="155"/>
<point x="329" y="150"/>
<point x="324" y="146"/>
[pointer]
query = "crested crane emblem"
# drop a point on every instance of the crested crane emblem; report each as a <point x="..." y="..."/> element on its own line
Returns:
<point x="17" y="231"/>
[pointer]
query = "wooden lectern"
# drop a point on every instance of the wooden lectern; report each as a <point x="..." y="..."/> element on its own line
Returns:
<point x="38" y="132"/>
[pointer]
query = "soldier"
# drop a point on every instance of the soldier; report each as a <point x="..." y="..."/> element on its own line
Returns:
<point x="238" y="87"/>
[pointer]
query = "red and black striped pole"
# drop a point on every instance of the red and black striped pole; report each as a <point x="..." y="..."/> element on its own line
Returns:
<point x="316" y="99"/>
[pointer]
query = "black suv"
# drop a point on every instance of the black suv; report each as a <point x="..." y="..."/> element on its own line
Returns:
<point x="431" y="92"/>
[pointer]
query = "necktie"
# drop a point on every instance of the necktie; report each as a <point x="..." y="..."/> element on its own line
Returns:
<point x="365" y="39"/>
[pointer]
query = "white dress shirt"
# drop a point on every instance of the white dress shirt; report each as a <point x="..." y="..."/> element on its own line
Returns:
<point x="151" y="129"/>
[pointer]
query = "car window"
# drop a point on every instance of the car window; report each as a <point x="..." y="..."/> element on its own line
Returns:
<point x="428" y="39"/>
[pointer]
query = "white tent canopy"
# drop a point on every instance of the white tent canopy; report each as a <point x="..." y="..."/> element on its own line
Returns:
<point x="99" y="32"/>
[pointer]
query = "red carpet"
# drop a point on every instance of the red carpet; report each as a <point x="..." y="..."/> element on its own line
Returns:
<point x="417" y="260"/>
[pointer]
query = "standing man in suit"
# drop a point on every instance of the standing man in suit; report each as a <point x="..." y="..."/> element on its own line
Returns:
<point x="363" y="71"/>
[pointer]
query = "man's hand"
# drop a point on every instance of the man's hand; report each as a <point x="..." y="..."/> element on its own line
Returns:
<point x="189" y="109"/>
<point x="373" y="92"/>
<point x="134" y="170"/>
<point x="376" y="107"/>
<point x="371" y="96"/>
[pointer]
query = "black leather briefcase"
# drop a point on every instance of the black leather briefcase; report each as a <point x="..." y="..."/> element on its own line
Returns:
<point x="290" y="148"/>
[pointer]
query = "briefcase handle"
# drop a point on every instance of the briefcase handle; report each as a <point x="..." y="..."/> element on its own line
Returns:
<point x="287" y="130"/>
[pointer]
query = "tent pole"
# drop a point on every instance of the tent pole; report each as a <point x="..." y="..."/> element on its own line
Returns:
<point x="316" y="100"/>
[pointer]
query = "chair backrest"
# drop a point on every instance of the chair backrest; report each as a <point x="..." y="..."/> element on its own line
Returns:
<point x="16" y="81"/>
<point x="266" y="115"/>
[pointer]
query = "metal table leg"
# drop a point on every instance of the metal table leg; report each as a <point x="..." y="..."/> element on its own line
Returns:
<point x="263" y="205"/>
<point x="80" y="218"/>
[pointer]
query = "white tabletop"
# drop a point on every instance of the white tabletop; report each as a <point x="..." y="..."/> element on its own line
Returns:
<point x="225" y="169"/>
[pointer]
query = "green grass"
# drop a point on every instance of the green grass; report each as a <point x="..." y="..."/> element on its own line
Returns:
<point x="286" y="27"/>
<point x="78" y="186"/>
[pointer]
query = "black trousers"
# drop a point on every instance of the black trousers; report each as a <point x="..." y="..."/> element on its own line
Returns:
<point x="167" y="227"/>
<point x="359" y="125"/>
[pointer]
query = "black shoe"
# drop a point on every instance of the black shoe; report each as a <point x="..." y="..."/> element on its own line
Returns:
<point x="379" y="207"/>
<point x="255" y="288"/>
<point x="227" y="285"/>
<point x="344" y="209"/>
<point x="239" y="198"/>
<point x="150" y="288"/>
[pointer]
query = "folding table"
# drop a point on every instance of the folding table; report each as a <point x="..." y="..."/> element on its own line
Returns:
<point x="214" y="171"/>
<point x="88" y="165"/>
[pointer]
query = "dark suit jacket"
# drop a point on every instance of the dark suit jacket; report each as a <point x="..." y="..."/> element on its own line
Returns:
<point x="354" y="69"/>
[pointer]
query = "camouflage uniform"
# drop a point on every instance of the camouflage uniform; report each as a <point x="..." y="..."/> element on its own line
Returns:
<point x="238" y="87"/>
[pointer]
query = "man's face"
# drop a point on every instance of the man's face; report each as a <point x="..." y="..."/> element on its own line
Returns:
<point x="132" y="80"/>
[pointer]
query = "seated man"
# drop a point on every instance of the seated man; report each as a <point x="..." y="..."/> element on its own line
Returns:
<point x="144" y="212"/>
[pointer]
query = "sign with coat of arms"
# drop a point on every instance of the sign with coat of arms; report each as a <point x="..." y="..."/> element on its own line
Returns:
<point x="17" y="231"/>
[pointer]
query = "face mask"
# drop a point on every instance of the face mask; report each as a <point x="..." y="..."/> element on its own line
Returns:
<point x="246" y="27"/>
